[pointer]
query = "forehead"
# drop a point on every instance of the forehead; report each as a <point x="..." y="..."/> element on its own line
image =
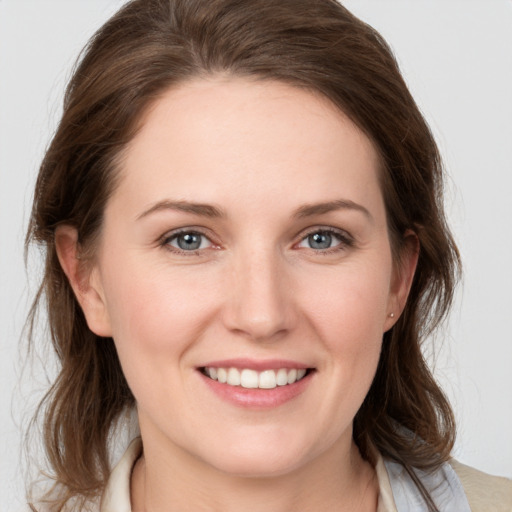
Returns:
<point x="254" y="138"/>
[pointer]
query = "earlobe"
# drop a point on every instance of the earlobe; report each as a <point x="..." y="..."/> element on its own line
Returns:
<point x="403" y="275"/>
<point x="83" y="279"/>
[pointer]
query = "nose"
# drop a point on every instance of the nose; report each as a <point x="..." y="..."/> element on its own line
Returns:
<point x="260" y="305"/>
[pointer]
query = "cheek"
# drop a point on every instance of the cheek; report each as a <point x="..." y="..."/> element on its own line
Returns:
<point x="353" y="304"/>
<point x="349" y="318"/>
<point x="156" y="316"/>
<point x="152" y="306"/>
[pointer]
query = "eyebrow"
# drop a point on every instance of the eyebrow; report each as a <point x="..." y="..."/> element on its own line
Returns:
<point x="204" y="210"/>
<point x="208" y="210"/>
<point x="330" y="206"/>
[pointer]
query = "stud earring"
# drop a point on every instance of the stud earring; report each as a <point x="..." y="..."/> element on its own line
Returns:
<point x="391" y="315"/>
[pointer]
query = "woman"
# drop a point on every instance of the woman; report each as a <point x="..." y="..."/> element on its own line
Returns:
<point x="245" y="240"/>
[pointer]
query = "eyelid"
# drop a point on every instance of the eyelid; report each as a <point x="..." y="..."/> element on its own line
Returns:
<point x="346" y="239"/>
<point x="164" y="240"/>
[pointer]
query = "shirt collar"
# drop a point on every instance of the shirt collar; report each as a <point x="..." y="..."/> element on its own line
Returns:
<point x="116" y="497"/>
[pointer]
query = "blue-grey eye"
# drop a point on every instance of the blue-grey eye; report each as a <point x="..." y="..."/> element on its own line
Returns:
<point x="189" y="241"/>
<point x="321" y="240"/>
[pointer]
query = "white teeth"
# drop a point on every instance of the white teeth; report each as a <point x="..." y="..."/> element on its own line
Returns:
<point x="251" y="379"/>
<point x="267" y="379"/>
<point x="282" y="377"/>
<point x="222" y="375"/>
<point x="233" y="377"/>
<point x="292" y="376"/>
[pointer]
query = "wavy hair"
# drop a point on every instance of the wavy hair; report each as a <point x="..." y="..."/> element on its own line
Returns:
<point x="150" y="46"/>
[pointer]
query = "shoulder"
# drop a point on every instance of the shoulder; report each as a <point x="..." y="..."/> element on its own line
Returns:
<point x="485" y="493"/>
<point x="452" y="487"/>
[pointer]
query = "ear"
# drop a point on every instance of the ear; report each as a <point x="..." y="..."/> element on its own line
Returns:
<point x="84" y="279"/>
<point x="403" y="275"/>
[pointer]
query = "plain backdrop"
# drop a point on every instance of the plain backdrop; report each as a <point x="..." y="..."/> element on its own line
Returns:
<point x="457" y="59"/>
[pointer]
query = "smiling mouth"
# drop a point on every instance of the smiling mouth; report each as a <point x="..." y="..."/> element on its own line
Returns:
<point x="252" y="379"/>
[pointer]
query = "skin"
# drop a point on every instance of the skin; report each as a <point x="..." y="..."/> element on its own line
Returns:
<point x="259" y="152"/>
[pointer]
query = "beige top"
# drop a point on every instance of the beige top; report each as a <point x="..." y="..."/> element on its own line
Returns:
<point x="485" y="493"/>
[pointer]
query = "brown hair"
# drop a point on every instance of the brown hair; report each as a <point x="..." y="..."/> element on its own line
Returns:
<point x="152" y="45"/>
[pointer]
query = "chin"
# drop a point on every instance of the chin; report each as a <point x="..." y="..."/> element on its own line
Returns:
<point x="258" y="461"/>
<point x="249" y="468"/>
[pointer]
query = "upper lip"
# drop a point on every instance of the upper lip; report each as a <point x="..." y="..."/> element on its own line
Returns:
<point x="257" y="365"/>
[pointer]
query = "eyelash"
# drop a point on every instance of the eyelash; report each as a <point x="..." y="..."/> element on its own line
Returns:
<point x="166" y="240"/>
<point x="346" y="240"/>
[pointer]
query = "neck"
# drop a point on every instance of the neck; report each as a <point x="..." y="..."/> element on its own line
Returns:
<point x="338" y="480"/>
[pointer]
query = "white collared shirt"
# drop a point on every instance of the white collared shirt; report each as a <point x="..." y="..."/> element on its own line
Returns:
<point x="454" y="487"/>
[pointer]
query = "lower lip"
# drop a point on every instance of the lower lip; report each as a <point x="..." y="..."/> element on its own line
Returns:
<point x="258" y="398"/>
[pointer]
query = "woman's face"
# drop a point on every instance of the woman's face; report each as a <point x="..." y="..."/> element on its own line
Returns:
<point x="247" y="235"/>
